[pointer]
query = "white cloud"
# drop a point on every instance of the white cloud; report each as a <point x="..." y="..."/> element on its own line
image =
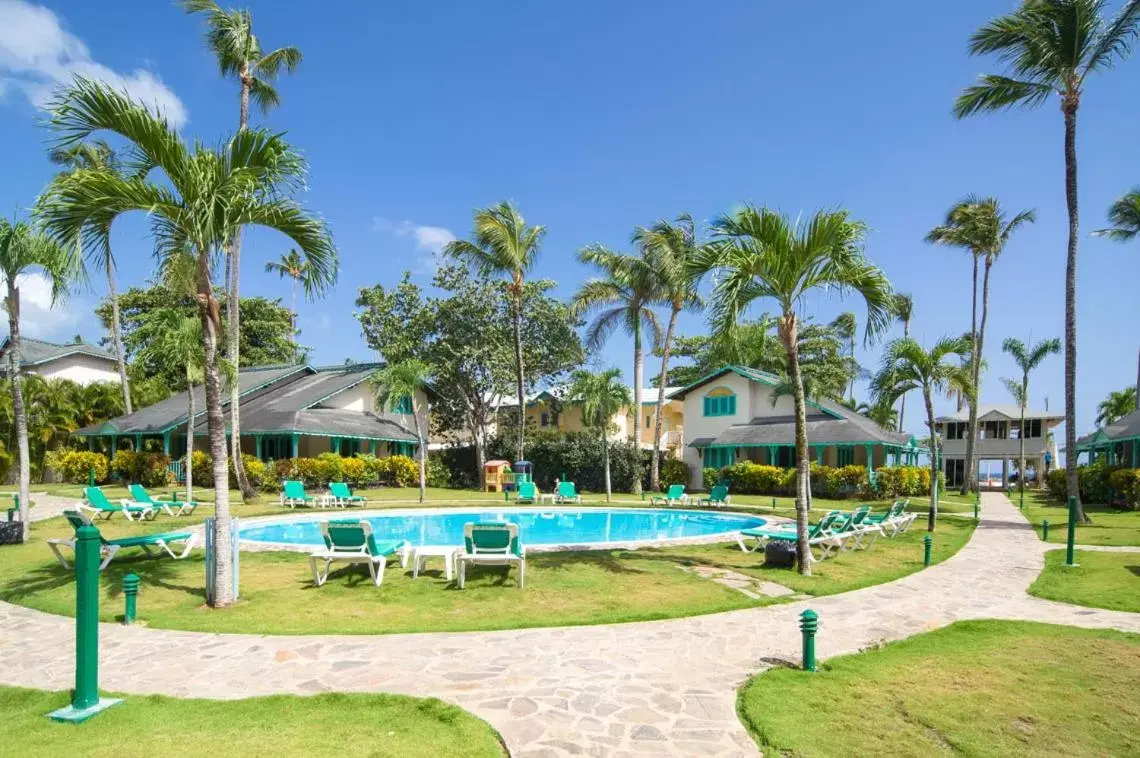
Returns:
<point x="37" y="55"/>
<point x="37" y="316"/>
<point x="430" y="240"/>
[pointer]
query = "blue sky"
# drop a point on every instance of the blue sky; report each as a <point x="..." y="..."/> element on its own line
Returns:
<point x="597" y="116"/>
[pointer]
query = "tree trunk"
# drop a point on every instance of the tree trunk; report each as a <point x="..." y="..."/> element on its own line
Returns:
<point x="970" y="478"/>
<point x="932" y="514"/>
<point x="1021" y="438"/>
<point x="638" y="362"/>
<point x="789" y="336"/>
<point x="659" y="413"/>
<point x="1070" y="111"/>
<point x="902" y="400"/>
<point x="216" y="425"/>
<point x="976" y="370"/>
<point x="20" y="416"/>
<point x="606" y="460"/>
<point x="117" y="340"/>
<point x="480" y="456"/>
<point x="519" y="389"/>
<point x="234" y="308"/>
<point x="1138" y="380"/>
<point x="293" y="320"/>
<point x="189" y="436"/>
<point x="423" y="452"/>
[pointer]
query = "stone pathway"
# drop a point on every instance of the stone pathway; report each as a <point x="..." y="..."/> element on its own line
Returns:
<point x="664" y="688"/>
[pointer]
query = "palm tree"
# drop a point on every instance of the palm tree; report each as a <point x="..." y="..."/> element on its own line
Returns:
<point x="1117" y="405"/>
<point x="230" y="37"/>
<point x="672" y="249"/>
<point x="1027" y="359"/>
<point x="883" y="415"/>
<point x="406" y="379"/>
<point x="980" y="226"/>
<point x="846" y="326"/>
<point x="25" y="249"/>
<point x="99" y="156"/>
<point x="760" y="253"/>
<point x="293" y="266"/>
<point x="248" y="180"/>
<point x="904" y="312"/>
<point x="601" y="395"/>
<point x="504" y="245"/>
<point x="1125" y="218"/>
<point x="623" y="297"/>
<point x="906" y="366"/>
<point x="1051" y="47"/>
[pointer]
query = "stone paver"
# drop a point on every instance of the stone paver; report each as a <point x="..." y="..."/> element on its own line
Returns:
<point x="665" y="688"/>
<point x="49" y="506"/>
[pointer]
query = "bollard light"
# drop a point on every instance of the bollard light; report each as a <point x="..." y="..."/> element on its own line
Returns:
<point x="130" y="595"/>
<point x="809" y="624"/>
<point x="1045" y="530"/>
<point x="1071" y="541"/>
<point x="927" y="545"/>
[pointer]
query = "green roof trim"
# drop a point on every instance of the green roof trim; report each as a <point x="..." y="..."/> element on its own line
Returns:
<point x="752" y="375"/>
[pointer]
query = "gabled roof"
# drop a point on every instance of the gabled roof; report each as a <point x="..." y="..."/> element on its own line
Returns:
<point x="751" y="374"/>
<point x="35" y="352"/>
<point x="1123" y="428"/>
<point x="1008" y="412"/>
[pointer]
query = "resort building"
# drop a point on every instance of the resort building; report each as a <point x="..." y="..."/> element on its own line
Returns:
<point x="549" y="410"/>
<point x="286" y="412"/>
<point x="999" y="439"/>
<point x="733" y="415"/>
<point x="1117" y="443"/>
<point x="80" y="363"/>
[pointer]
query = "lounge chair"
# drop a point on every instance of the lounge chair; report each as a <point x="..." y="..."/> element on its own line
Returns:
<point x="718" y="496"/>
<point x="98" y="505"/>
<point x="293" y="494"/>
<point x="491" y="543"/>
<point x="854" y="528"/>
<point x="528" y="493"/>
<point x="567" y="493"/>
<point x="353" y="541"/>
<point x="764" y="534"/>
<point x="895" y="521"/>
<point x="340" y="494"/>
<point x="152" y="544"/>
<point x="184" y="508"/>
<point x="675" y="496"/>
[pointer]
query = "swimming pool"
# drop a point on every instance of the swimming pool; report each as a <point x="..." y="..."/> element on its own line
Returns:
<point x="537" y="526"/>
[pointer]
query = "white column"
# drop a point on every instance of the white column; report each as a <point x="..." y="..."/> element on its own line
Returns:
<point x="1004" y="473"/>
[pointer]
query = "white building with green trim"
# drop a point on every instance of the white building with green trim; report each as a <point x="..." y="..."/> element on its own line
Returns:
<point x="732" y="415"/>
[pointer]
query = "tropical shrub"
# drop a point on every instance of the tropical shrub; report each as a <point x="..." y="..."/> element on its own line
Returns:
<point x="400" y="471"/>
<point x="674" y="471"/>
<point x="355" y="471"/>
<point x="1097" y="483"/>
<point x="710" y="477"/>
<point x="147" y="469"/>
<point x="746" y="477"/>
<point x="73" y="466"/>
<point x="203" y="468"/>
<point x="903" y="481"/>
<point x="1126" y="486"/>
<point x="438" y="474"/>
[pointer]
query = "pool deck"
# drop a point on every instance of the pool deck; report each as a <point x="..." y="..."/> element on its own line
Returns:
<point x="665" y="688"/>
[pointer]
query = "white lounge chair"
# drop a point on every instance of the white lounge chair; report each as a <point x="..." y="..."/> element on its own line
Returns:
<point x="352" y="541"/>
<point x="154" y="545"/>
<point x="493" y="543"/>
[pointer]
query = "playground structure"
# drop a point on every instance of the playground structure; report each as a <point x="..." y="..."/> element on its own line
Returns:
<point x="500" y="476"/>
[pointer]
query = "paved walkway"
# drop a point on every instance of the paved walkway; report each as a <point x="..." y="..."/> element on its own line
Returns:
<point x="663" y="688"/>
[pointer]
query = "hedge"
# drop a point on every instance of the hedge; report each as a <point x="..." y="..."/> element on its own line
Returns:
<point x="359" y="471"/>
<point x="147" y="469"/>
<point x="74" y="466"/>
<point x="1098" y="483"/>
<point x="748" y="478"/>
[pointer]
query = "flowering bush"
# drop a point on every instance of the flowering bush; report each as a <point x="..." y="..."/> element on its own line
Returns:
<point x="147" y="469"/>
<point x="74" y="465"/>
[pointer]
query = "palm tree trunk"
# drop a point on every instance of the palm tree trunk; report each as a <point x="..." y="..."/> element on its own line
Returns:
<point x="1138" y="380"/>
<point x="1070" y="111"/>
<point x="606" y="460"/>
<point x="517" y="303"/>
<point x="970" y="478"/>
<point x="976" y="370"/>
<point x="189" y="436"/>
<point x="659" y="413"/>
<point x="423" y="453"/>
<point x="116" y="338"/>
<point x="790" y="338"/>
<point x="293" y="310"/>
<point x="932" y="514"/>
<point x="902" y="400"/>
<point x="234" y="308"/>
<point x="216" y="425"/>
<point x="1021" y="438"/>
<point x="18" y="413"/>
<point x="638" y="363"/>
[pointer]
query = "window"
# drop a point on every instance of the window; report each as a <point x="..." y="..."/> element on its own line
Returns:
<point x="276" y="447"/>
<point x="955" y="431"/>
<point x="649" y="422"/>
<point x="786" y="457"/>
<point x="544" y="419"/>
<point x="718" y="457"/>
<point x="403" y="404"/>
<point x="720" y="402"/>
<point x="846" y="456"/>
<point x="349" y="448"/>
<point x="1033" y="428"/>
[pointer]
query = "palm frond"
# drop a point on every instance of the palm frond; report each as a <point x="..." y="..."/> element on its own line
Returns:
<point x="994" y="93"/>
<point x="270" y="65"/>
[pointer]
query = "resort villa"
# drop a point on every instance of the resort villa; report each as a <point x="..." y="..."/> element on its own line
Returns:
<point x="732" y="415"/>
<point x="1118" y="443"/>
<point x="999" y="433"/>
<point x="286" y="412"/>
<point x="78" y="362"/>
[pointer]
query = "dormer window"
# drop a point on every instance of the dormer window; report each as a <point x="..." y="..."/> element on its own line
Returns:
<point x="403" y="404"/>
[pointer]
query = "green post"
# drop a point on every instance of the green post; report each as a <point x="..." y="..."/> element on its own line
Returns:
<point x="130" y="595"/>
<point x="976" y="510"/>
<point x="506" y="495"/>
<point x="91" y="477"/>
<point x="927" y="544"/>
<point x="1070" y="544"/>
<point x="85" y="700"/>
<point x="1045" y="530"/>
<point x="296" y="440"/>
<point x="809" y="623"/>
<point x="773" y="503"/>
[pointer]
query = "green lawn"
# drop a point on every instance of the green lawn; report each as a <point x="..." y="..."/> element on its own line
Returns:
<point x="376" y="725"/>
<point x="1100" y="580"/>
<point x="1108" y="527"/>
<point x="564" y="588"/>
<point x="975" y="688"/>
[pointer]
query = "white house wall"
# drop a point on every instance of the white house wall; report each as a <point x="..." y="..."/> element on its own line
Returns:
<point x="698" y="425"/>
<point x="81" y="369"/>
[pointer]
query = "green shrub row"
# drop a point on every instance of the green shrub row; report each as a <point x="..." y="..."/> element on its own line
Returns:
<point x="358" y="471"/>
<point x="1098" y="483"/>
<point x="748" y="478"/>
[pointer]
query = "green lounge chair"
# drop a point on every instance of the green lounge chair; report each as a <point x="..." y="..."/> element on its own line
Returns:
<point x="293" y="494"/>
<point x="98" y="505"/>
<point x="353" y="541"/>
<point x="528" y="493"/>
<point x="491" y="543"/>
<point x="340" y="494"/>
<point x="895" y="521"/>
<point x="718" y="496"/>
<point x="676" y="494"/>
<point x="763" y="534"/>
<point x="184" y="508"/>
<point x="152" y="544"/>
<point x="567" y="493"/>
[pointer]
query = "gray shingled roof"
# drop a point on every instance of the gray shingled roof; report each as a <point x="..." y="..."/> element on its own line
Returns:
<point x="1012" y="412"/>
<point x="34" y="352"/>
<point x="821" y="429"/>
<point x="1123" y="428"/>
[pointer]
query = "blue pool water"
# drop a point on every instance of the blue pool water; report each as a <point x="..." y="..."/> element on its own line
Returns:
<point x="556" y="526"/>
